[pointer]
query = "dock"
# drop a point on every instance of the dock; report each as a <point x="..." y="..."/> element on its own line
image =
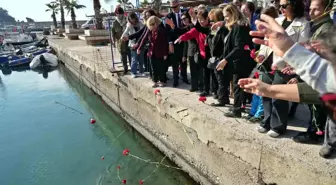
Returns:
<point x="210" y="147"/>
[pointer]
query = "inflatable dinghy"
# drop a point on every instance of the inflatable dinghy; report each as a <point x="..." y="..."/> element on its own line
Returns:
<point x="44" y="60"/>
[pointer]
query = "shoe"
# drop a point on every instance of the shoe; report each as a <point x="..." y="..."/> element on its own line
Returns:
<point x="273" y="134"/>
<point x="162" y="84"/>
<point x="193" y="90"/>
<point x="326" y="151"/>
<point x="185" y="81"/>
<point x="133" y="75"/>
<point x="255" y="119"/>
<point x="142" y="75"/>
<point x="306" y="137"/>
<point x="215" y="96"/>
<point x="248" y="117"/>
<point x="125" y="72"/>
<point x="261" y="129"/>
<point x="232" y="114"/>
<point x="217" y="104"/>
<point x="204" y="93"/>
<point x="175" y="84"/>
<point x="155" y="85"/>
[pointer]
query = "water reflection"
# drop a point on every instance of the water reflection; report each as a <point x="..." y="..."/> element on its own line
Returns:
<point x="7" y="70"/>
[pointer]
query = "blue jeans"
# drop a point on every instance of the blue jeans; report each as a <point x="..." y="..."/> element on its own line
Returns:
<point x="257" y="108"/>
<point x="137" y="60"/>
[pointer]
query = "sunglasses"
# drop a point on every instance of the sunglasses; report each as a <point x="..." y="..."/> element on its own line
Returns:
<point x="174" y="6"/>
<point x="284" y="6"/>
<point x="329" y="105"/>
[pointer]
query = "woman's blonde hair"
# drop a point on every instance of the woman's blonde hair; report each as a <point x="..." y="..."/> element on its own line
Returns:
<point x="216" y="15"/>
<point x="222" y="6"/>
<point x="236" y="16"/>
<point x="152" y="22"/>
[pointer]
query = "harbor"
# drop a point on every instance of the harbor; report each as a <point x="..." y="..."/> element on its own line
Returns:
<point x="210" y="147"/>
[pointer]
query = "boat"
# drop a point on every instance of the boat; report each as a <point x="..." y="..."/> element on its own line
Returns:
<point x="18" y="39"/>
<point x="44" y="60"/>
<point x="20" y="61"/>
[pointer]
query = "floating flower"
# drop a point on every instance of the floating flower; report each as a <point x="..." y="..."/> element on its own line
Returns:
<point x="141" y="182"/>
<point x="118" y="167"/>
<point x="102" y="158"/>
<point x="246" y="47"/>
<point x="92" y="121"/>
<point x="320" y="133"/>
<point x="156" y="91"/>
<point x="202" y="99"/>
<point x="253" y="54"/>
<point x="126" y="152"/>
<point x="124" y="181"/>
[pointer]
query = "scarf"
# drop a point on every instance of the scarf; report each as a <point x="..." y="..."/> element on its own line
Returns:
<point x="122" y="22"/>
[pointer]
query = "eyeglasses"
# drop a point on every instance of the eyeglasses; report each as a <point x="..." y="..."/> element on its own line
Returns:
<point x="173" y="7"/>
<point x="329" y="105"/>
<point x="283" y="6"/>
<point x="184" y="18"/>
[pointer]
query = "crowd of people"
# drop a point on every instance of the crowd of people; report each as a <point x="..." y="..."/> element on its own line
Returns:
<point x="283" y="54"/>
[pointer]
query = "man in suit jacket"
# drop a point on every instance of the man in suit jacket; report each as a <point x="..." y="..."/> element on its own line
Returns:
<point x="176" y="50"/>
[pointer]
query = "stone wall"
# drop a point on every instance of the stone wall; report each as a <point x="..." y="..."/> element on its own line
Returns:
<point x="213" y="149"/>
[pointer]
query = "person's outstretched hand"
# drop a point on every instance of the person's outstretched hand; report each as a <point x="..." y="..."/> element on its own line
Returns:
<point x="254" y="86"/>
<point x="276" y="36"/>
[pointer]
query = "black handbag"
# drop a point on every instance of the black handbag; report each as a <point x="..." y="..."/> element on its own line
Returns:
<point x="212" y="63"/>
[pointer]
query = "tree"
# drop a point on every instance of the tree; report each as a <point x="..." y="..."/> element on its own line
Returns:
<point x="144" y="4"/>
<point x="71" y="5"/>
<point x="99" y="20"/>
<point x="53" y="8"/>
<point x="61" y="4"/>
<point x="157" y="5"/>
<point x="126" y="4"/>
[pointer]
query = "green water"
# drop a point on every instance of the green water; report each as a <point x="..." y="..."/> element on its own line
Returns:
<point x="44" y="143"/>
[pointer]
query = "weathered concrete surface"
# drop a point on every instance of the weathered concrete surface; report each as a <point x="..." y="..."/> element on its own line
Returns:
<point x="213" y="149"/>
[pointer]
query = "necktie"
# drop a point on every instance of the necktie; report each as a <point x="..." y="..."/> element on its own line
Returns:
<point x="177" y="20"/>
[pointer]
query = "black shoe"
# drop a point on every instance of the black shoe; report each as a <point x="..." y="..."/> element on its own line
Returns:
<point x="125" y="72"/>
<point x="204" y="93"/>
<point x="175" y="84"/>
<point x="249" y="116"/>
<point x="306" y="137"/>
<point x="217" y="104"/>
<point x="215" y="96"/>
<point x="193" y="90"/>
<point x="233" y="114"/>
<point x="255" y="119"/>
<point x="185" y="81"/>
<point x="326" y="151"/>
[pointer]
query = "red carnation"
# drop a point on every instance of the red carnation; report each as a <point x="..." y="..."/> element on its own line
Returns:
<point x="126" y="152"/>
<point x="246" y="47"/>
<point x="141" y="182"/>
<point x="256" y="75"/>
<point x="179" y="68"/>
<point x="156" y="91"/>
<point x="253" y="54"/>
<point x="118" y="167"/>
<point x="123" y="181"/>
<point x="320" y="133"/>
<point x="202" y="99"/>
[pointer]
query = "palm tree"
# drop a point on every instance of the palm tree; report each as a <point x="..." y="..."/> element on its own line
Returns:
<point x="60" y="4"/>
<point x="157" y="5"/>
<point x="99" y="20"/>
<point x="53" y="7"/>
<point x="71" y="5"/>
<point x="125" y="4"/>
<point x="144" y="4"/>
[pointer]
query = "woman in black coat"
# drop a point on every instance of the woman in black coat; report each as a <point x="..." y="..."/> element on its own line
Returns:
<point x="235" y="59"/>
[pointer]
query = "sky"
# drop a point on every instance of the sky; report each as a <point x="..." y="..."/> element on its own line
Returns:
<point x="35" y="9"/>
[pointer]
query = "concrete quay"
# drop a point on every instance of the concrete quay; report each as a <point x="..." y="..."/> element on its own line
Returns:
<point x="210" y="147"/>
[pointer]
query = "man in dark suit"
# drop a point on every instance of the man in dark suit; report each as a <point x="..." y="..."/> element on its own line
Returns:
<point x="176" y="50"/>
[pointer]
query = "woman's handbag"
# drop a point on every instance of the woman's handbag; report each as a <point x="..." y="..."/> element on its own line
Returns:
<point x="212" y="63"/>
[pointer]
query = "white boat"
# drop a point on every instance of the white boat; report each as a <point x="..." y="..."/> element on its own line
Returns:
<point x="17" y="39"/>
<point x="44" y="60"/>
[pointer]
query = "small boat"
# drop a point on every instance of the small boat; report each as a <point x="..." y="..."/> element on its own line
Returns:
<point x="44" y="60"/>
<point x="21" y="61"/>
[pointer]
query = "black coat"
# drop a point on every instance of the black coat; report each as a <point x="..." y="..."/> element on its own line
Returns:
<point x="238" y="59"/>
<point x="176" y="33"/>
